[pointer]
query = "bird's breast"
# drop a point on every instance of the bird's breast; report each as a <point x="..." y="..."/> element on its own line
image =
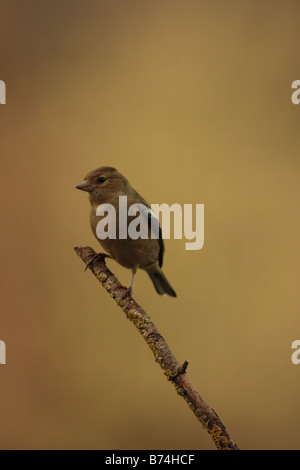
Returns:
<point x="127" y="252"/>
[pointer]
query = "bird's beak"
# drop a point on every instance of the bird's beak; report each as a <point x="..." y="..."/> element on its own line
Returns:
<point x="85" y="186"/>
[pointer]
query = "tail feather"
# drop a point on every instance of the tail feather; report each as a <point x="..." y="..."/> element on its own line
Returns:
<point x="161" y="283"/>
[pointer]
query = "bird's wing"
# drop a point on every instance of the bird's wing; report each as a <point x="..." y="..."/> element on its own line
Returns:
<point x="155" y="229"/>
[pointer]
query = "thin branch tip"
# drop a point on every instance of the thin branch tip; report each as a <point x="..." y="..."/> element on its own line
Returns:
<point x="184" y="367"/>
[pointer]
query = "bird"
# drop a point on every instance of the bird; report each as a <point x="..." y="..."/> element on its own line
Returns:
<point x="105" y="185"/>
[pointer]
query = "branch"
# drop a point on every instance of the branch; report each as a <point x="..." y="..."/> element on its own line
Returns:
<point x="175" y="372"/>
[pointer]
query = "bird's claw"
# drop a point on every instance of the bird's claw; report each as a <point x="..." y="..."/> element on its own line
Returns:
<point x="129" y="290"/>
<point x="127" y="293"/>
<point x="99" y="256"/>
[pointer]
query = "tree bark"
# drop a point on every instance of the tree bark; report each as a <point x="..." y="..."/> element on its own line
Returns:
<point x="175" y="372"/>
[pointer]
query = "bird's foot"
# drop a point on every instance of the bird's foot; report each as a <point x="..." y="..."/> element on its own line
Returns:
<point x="97" y="256"/>
<point x="129" y="290"/>
<point x="126" y="293"/>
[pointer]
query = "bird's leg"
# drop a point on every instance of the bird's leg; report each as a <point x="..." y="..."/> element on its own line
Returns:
<point x="133" y="271"/>
<point x="100" y="256"/>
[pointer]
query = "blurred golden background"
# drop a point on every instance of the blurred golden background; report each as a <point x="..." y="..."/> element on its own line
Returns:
<point x="191" y="100"/>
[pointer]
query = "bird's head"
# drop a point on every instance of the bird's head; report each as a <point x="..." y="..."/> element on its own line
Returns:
<point x="103" y="185"/>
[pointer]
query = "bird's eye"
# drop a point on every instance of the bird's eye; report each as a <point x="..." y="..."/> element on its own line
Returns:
<point x="101" y="179"/>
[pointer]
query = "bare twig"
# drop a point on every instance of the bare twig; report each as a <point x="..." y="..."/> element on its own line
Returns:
<point x="174" y="371"/>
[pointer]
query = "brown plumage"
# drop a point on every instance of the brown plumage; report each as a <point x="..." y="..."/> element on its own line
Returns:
<point x="104" y="186"/>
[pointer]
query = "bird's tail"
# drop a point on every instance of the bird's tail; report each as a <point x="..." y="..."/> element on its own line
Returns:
<point x="161" y="283"/>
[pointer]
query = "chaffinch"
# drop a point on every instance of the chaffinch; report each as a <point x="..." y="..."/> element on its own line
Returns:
<point x="104" y="186"/>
